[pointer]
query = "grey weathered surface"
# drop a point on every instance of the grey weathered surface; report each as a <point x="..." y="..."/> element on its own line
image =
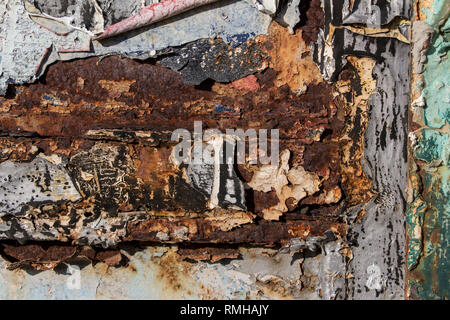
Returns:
<point x="289" y="14"/>
<point x="382" y="231"/>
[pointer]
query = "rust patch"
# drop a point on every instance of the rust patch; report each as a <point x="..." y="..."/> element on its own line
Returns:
<point x="208" y="253"/>
<point x="201" y="231"/>
<point x="48" y="257"/>
<point x="171" y="270"/>
<point x="291" y="58"/>
<point x="249" y="83"/>
<point x="264" y="200"/>
<point x="110" y="257"/>
<point x="112" y="118"/>
<point x="152" y="165"/>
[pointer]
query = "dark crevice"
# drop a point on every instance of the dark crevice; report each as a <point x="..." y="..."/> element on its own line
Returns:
<point x="303" y="8"/>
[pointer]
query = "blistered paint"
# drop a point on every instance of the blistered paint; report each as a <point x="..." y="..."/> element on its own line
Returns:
<point x="379" y="225"/>
<point x="436" y="89"/>
<point x="160" y="273"/>
<point x="38" y="181"/>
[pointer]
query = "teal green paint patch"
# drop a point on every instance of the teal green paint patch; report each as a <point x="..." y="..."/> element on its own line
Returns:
<point x="418" y="286"/>
<point x="428" y="214"/>
<point x="437" y="83"/>
<point x="437" y="190"/>
<point x="432" y="145"/>
<point x="437" y="87"/>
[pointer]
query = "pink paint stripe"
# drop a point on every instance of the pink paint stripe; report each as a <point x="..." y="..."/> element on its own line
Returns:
<point x="151" y="14"/>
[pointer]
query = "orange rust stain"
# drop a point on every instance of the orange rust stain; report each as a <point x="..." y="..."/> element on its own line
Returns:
<point x="171" y="271"/>
<point x="213" y="254"/>
<point x="291" y="57"/>
<point x="249" y="83"/>
<point x="276" y="288"/>
<point x="420" y="13"/>
<point x="356" y="184"/>
<point x="301" y="231"/>
<point x="116" y="88"/>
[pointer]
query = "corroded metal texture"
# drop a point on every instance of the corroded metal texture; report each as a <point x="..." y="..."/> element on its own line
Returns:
<point x="161" y="273"/>
<point x="379" y="231"/>
<point x="98" y="133"/>
<point x="89" y="176"/>
<point x="33" y="37"/>
<point x="120" y="161"/>
<point x="428" y="192"/>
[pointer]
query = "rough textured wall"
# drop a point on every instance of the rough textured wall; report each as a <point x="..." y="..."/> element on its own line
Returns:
<point x="89" y="180"/>
<point x="428" y="190"/>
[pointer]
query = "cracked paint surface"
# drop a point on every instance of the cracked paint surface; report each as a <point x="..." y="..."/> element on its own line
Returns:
<point x="428" y="209"/>
<point x="92" y="130"/>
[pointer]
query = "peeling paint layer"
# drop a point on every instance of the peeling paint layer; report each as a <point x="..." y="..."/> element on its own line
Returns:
<point x="28" y="48"/>
<point x="428" y="200"/>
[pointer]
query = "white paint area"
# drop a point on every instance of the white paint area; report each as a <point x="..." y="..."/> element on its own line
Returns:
<point x="375" y="280"/>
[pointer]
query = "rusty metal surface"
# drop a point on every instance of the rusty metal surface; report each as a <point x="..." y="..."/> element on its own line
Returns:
<point x="428" y="201"/>
<point x="88" y="177"/>
<point x="64" y="33"/>
<point x="105" y="125"/>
